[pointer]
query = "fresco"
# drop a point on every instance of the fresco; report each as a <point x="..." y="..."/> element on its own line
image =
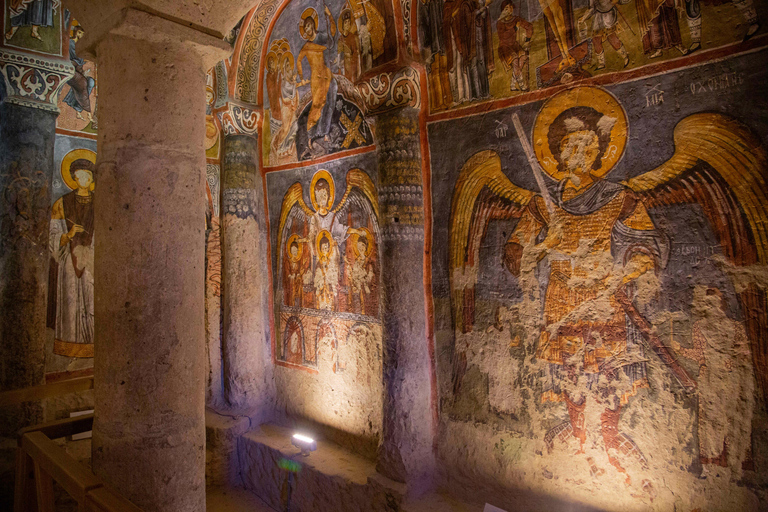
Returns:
<point x="78" y="100"/>
<point x="212" y="130"/>
<point x="314" y="57"/>
<point x="33" y="25"/>
<point x="326" y="242"/>
<point x="602" y="279"/>
<point x="328" y="257"/>
<point x="71" y="242"/>
<point x="493" y="49"/>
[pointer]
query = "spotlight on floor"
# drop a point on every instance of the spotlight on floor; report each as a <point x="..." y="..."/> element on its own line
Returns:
<point x="304" y="443"/>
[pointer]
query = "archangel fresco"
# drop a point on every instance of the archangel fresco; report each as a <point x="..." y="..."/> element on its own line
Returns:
<point x="329" y="252"/>
<point x="585" y="286"/>
<point x="33" y="25"/>
<point x="481" y="49"/>
<point x="71" y="242"/>
<point x="315" y="55"/>
<point x="326" y="275"/>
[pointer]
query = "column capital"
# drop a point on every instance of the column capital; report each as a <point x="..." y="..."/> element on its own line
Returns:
<point x="240" y="119"/>
<point x="145" y="26"/>
<point x="32" y="80"/>
<point x="391" y="90"/>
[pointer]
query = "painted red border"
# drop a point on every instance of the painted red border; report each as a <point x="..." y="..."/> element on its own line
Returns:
<point x="429" y="308"/>
<point x="296" y="367"/>
<point x="321" y="160"/>
<point x="74" y="133"/>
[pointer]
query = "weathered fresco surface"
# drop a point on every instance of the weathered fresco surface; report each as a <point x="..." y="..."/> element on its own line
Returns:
<point x="488" y="49"/>
<point x="314" y="57"/>
<point x="601" y="322"/>
<point x="325" y="241"/>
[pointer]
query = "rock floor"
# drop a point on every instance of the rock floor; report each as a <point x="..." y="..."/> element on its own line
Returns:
<point x="233" y="499"/>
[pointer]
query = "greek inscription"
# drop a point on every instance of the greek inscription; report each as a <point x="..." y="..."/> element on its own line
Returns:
<point x="719" y="82"/>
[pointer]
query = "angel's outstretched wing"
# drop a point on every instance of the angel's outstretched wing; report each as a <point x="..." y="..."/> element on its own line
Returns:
<point x="721" y="165"/>
<point x="293" y="209"/>
<point x="482" y="193"/>
<point x="360" y="198"/>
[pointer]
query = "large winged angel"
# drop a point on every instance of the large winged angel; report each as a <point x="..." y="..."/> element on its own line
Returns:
<point x="328" y="255"/>
<point x="590" y="239"/>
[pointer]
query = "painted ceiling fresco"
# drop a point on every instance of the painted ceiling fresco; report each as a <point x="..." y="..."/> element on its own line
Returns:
<point x="315" y="55"/>
<point x="484" y="50"/>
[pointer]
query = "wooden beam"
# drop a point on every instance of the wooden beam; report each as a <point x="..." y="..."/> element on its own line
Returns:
<point x="46" y="502"/>
<point x="61" y="428"/>
<point x="24" y="497"/>
<point x="36" y="393"/>
<point x="53" y="460"/>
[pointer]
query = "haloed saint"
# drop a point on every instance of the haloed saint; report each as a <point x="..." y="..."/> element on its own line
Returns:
<point x="71" y="245"/>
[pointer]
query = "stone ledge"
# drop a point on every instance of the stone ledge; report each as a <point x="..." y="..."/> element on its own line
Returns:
<point x="221" y="434"/>
<point x="331" y="478"/>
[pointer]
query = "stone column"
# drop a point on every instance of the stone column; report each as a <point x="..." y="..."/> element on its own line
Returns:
<point x="28" y="95"/>
<point x="248" y="379"/>
<point x="149" y="429"/>
<point x="405" y="453"/>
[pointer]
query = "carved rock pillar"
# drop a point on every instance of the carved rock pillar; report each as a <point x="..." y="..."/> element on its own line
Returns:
<point x="28" y="96"/>
<point x="405" y="452"/>
<point x="247" y="365"/>
<point x="149" y="429"/>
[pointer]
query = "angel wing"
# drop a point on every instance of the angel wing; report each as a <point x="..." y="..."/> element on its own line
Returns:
<point x="360" y="195"/>
<point x="721" y="165"/>
<point x="293" y="207"/>
<point x="482" y="193"/>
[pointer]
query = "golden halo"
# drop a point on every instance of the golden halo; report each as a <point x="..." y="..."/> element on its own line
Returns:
<point x="211" y="133"/>
<point x="353" y="239"/>
<point x="308" y="12"/>
<point x="322" y="174"/>
<point x="70" y="157"/>
<point x="352" y="27"/>
<point x="294" y="238"/>
<point x="271" y="56"/>
<point x="582" y="96"/>
<point x="327" y="234"/>
<point x="287" y="57"/>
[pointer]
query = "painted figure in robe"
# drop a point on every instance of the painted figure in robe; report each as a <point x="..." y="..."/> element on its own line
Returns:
<point x="515" y="35"/>
<point x="31" y="13"/>
<point x="726" y="383"/>
<point x="71" y="243"/>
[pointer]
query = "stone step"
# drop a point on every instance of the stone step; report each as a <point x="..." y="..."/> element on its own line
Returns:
<point x="330" y="479"/>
